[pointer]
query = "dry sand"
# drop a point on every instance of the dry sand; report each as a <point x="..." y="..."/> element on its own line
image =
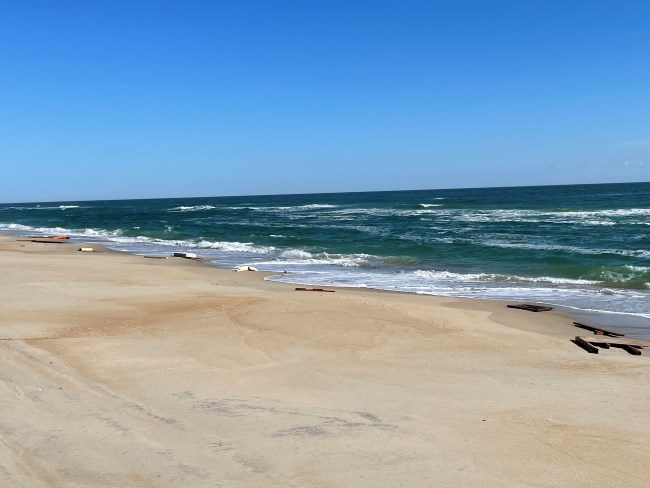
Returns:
<point x="120" y="371"/>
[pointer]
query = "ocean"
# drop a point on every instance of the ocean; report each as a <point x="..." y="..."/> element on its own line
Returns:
<point x="585" y="247"/>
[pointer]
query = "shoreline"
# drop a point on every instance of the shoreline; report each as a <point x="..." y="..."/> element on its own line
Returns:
<point x="629" y="324"/>
<point x="560" y="315"/>
<point x="124" y="371"/>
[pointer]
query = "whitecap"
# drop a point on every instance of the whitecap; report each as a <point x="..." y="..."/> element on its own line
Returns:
<point x="450" y="276"/>
<point x="294" y="208"/>
<point x="194" y="208"/>
<point x="641" y="253"/>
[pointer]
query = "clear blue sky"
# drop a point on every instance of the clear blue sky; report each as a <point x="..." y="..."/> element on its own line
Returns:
<point x="119" y="99"/>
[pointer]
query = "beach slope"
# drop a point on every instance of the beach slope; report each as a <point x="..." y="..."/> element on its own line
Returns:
<point x="121" y="371"/>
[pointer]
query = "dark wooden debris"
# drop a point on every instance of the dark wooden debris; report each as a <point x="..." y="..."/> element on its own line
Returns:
<point x="315" y="289"/>
<point x="602" y="345"/>
<point x="531" y="308"/>
<point x="580" y="342"/>
<point x="42" y="241"/>
<point x="587" y="345"/>
<point x="630" y="348"/>
<point x="597" y="330"/>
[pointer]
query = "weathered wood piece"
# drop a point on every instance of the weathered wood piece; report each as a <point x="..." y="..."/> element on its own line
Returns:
<point x="580" y="342"/>
<point x="531" y="308"/>
<point x="53" y="241"/>
<point x="615" y="341"/>
<point x="315" y="289"/>
<point x="156" y="257"/>
<point x="86" y="249"/>
<point x="634" y="349"/>
<point x="630" y="348"/>
<point x="597" y="330"/>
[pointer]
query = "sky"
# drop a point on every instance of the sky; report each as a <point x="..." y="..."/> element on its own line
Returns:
<point x="143" y="99"/>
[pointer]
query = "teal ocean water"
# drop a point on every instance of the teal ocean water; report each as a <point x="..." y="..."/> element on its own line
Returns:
<point x="581" y="246"/>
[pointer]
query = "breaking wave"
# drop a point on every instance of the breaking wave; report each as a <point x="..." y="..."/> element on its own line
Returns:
<point x="291" y="208"/>
<point x="637" y="253"/>
<point x="464" y="277"/>
<point x="194" y="208"/>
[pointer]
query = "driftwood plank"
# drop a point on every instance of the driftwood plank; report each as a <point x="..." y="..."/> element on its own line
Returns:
<point x="630" y="348"/>
<point x="597" y="330"/>
<point x="586" y="344"/>
<point x="580" y="342"/>
<point x="531" y="308"/>
<point x="615" y="341"/>
<point x="315" y="289"/>
<point x="602" y="345"/>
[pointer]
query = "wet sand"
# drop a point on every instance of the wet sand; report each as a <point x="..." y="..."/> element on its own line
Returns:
<point x="120" y="371"/>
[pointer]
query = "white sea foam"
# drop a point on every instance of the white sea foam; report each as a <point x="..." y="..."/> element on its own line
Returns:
<point x="619" y="212"/>
<point x="638" y="269"/>
<point x="223" y="246"/>
<point x="66" y="207"/>
<point x="293" y="208"/>
<point x="117" y="237"/>
<point x="296" y="254"/>
<point x="499" y="215"/>
<point x="582" y="218"/>
<point x="314" y="205"/>
<point x="235" y="247"/>
<point x="29" y="228"/>
<point x="634" y="274"/>
<point x="297" y="260"/>
<point x="194" y="208"/>
<point x="447" y="275"/>
<point x="97" y="232"/>
<point x="389" y="212"/>
<point x="641" y="253"/>
<point x="90" y="232"/>
<point x="450" y="276"/>
<point x="300" y="257"/>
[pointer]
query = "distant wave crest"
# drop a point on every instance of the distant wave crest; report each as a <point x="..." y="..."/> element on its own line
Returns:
<point x="195" y="208"/>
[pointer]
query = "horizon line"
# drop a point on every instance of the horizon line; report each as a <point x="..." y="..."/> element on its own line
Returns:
<point x="329" y="193"/>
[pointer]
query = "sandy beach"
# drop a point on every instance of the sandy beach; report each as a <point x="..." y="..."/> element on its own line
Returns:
<point x="121" y="371"/>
